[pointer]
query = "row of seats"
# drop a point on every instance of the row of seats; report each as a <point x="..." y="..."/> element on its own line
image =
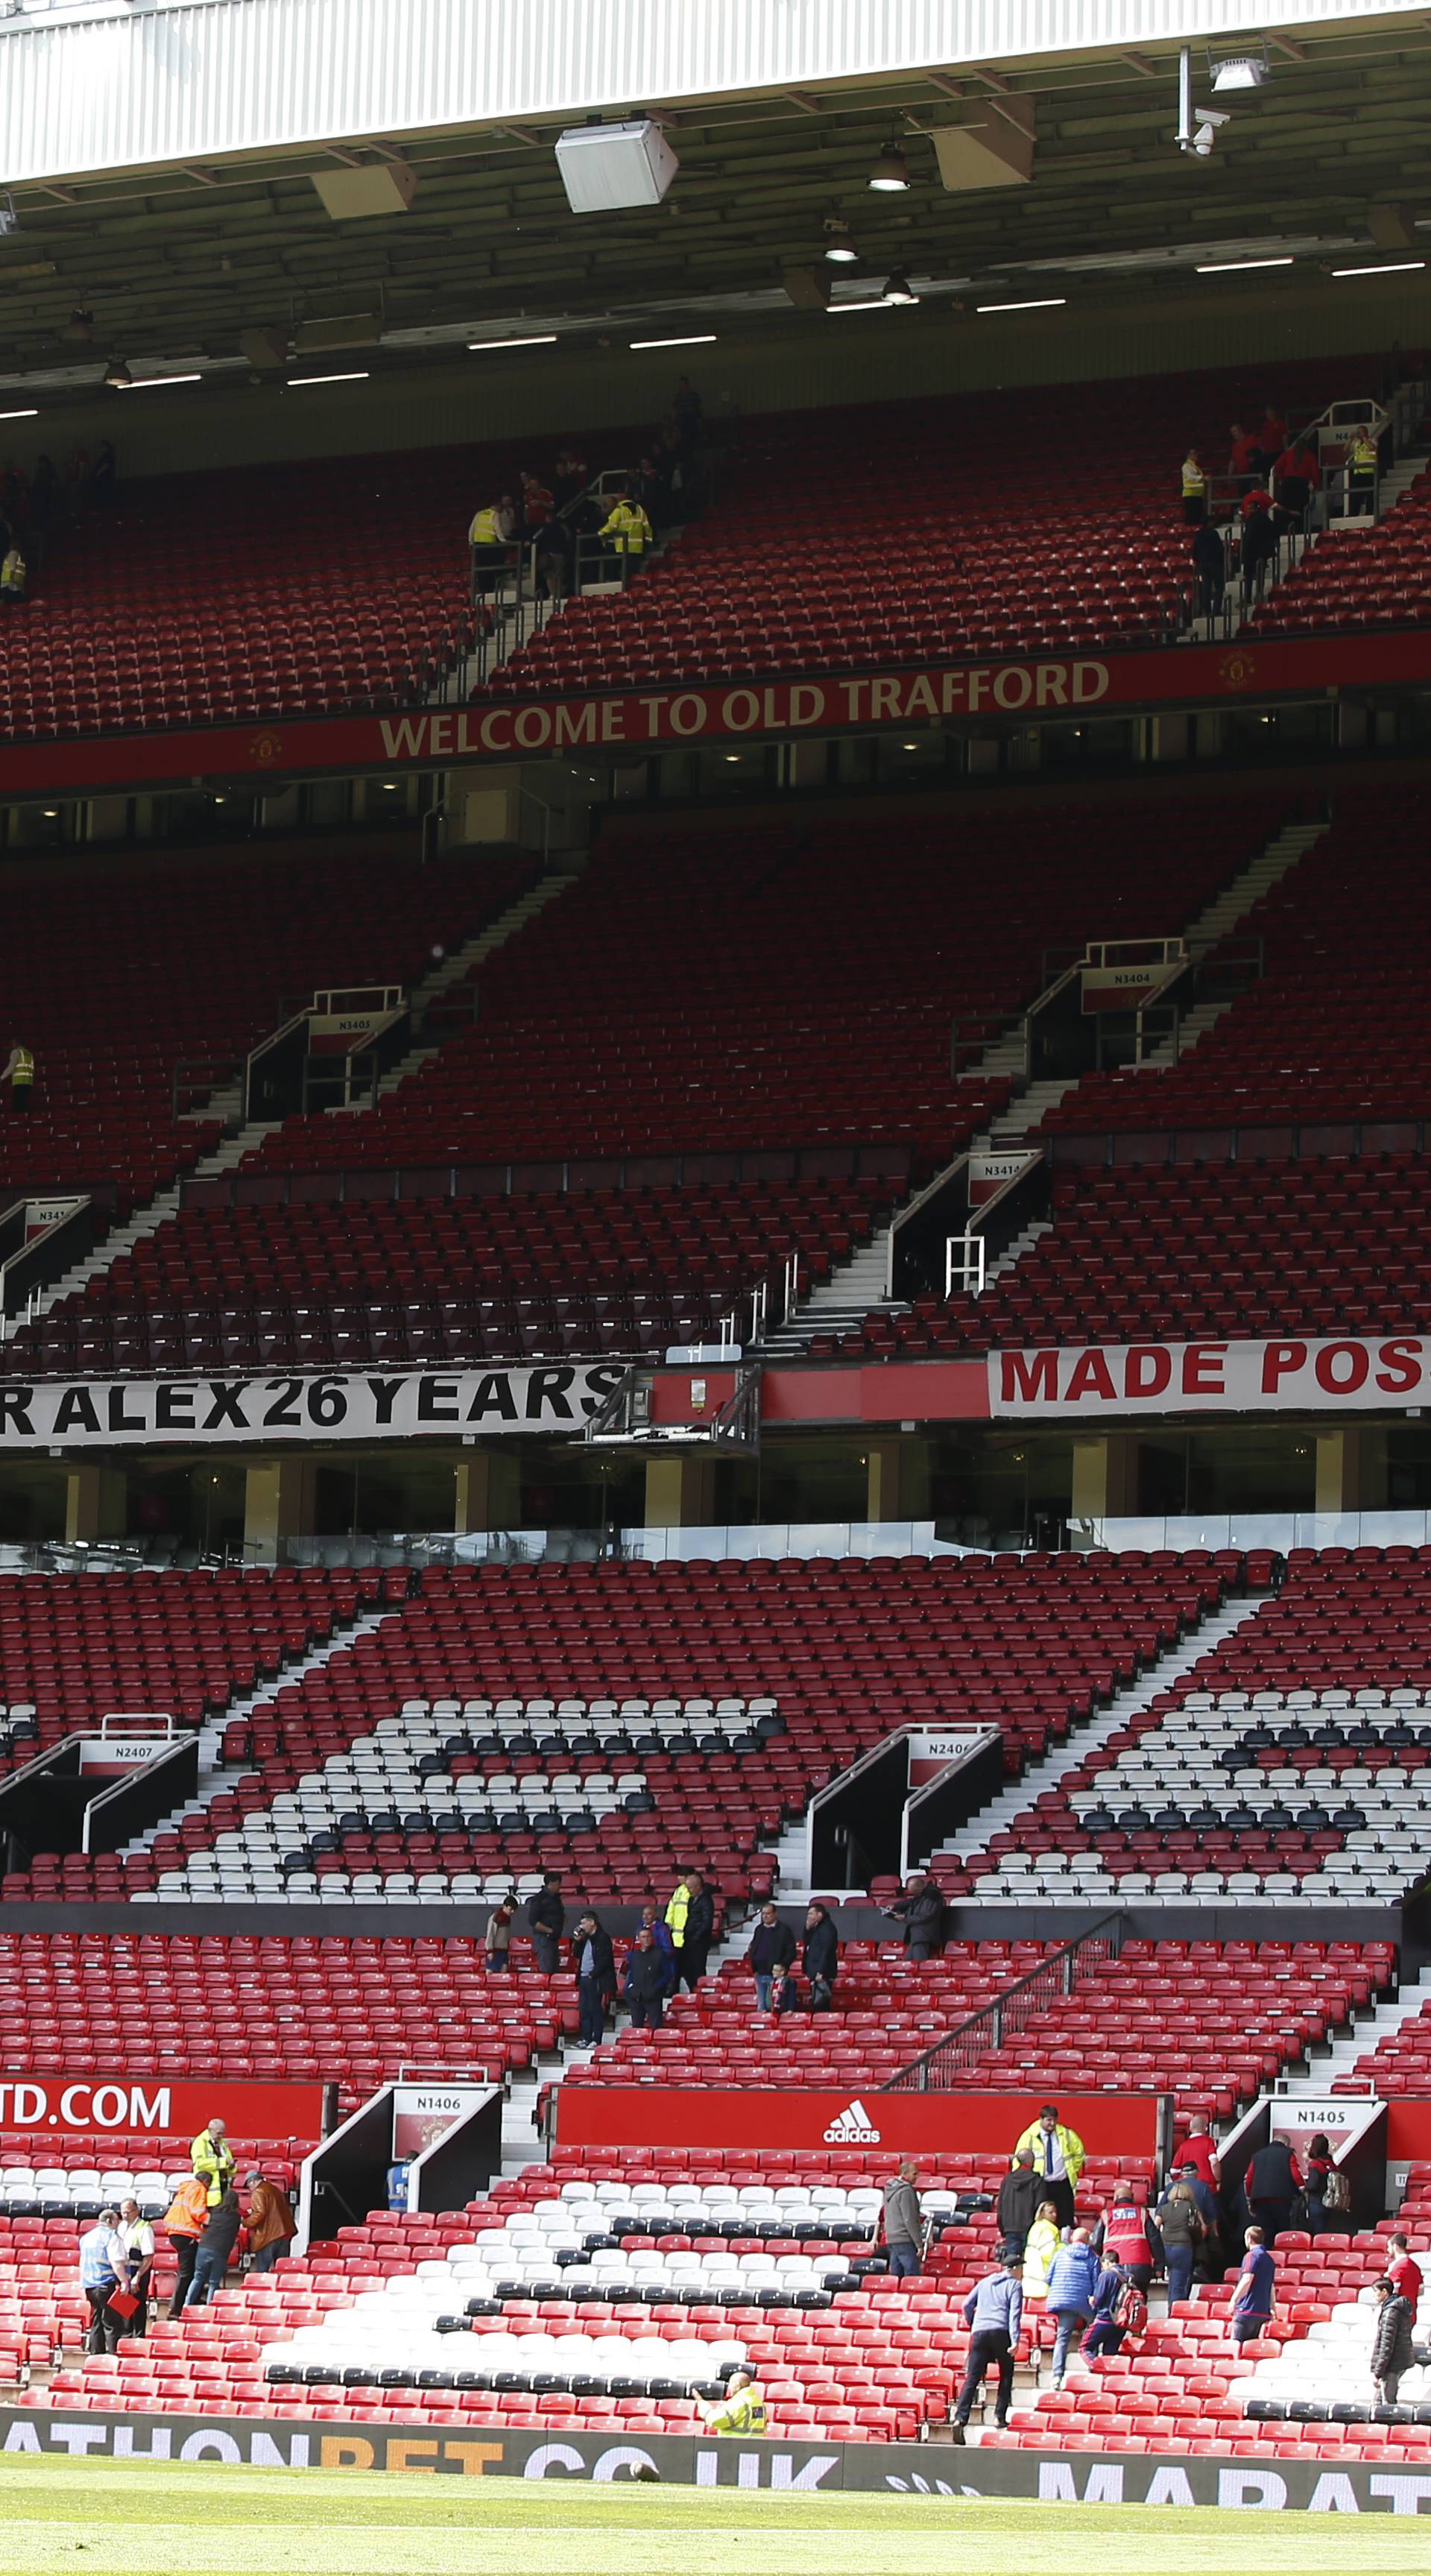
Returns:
<point x="984" y="552"/>
<point x="1284" y="1761"/>
<point x="844" y="1651"/>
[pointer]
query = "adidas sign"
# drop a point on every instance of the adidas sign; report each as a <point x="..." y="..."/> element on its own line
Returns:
<point x="852" y="2127"/>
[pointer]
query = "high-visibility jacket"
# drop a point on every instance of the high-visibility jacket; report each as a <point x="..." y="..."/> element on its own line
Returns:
<point x="1068" y="2140"/>
<point x="1363" y="454"/>
<point x="630" y="527"/>
<point x="23" y="1068"/>
<point x="675" y="1915"/>
<point x="213" y="2162"/>
<point x="12" y="573"/>
<point x="742" y="2413"/>
<point x="485" y="529"/>
<point x="1194" y="480"/>
<point x="188" y="2210"/>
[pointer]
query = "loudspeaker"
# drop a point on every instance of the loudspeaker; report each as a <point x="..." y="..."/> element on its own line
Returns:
<point x="603" y="166"/>
<point x="378" y="188"/>
<point x="998" y="152"/>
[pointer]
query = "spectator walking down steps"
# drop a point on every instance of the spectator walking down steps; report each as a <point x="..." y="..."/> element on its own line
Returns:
<point x="903" y="2221"/>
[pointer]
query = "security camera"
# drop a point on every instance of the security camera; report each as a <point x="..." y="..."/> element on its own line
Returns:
<point x="1208" y="121"/>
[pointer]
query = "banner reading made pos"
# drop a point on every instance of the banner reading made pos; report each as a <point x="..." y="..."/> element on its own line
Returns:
<point x="1212" y="1377"/>
<point x="914" y="2124"/>
<point x="147" y="2106"/>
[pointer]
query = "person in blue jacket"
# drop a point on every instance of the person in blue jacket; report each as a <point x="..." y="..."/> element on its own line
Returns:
<point x="654" y="1922"/>
<point x="1072" y="2283"/>
<point x="1107" y="2328"/>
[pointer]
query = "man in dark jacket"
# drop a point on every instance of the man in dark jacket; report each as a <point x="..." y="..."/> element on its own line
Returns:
<point x="1209" y="555"/>
<point x="216" y="2248"/>
<point x="546" y="1921"/>
<point x="700" y="1931"/>
<point x="1271" y="2182"/>
<point x="595" y="1978"/>
<point x="772" y="1946"/>
<point x="922" y="1908"/>
<point x="820" y="1954"/>
<point x="1019" y="2195"/>
<point x="644" y="1984"/>
<point x="1391" y="2346"/>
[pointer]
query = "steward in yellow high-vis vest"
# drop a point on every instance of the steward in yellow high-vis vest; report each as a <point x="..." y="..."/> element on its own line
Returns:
<point x="212" y="2159"/>
<point x="742" y="2409"/>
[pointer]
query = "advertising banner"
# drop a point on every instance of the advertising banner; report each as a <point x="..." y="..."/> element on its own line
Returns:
<point x="664" y="2115"/>
<point x="717" y="711"/>
<point x="442" y="2448"/>
<point x="151" y="2106"/>
<point x="1210" y="1377"/>
<point x="343" y="1404"/>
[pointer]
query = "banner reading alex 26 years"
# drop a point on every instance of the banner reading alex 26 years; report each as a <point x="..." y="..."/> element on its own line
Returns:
<point x="1212" y="1377"/>
<point x="351" y="1404"/>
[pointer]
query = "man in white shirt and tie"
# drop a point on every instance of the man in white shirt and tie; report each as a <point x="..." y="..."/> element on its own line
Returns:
<point x="1058" y="2153"/>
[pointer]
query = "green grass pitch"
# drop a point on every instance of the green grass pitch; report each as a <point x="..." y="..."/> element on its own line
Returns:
<point x="120" y="2519"/>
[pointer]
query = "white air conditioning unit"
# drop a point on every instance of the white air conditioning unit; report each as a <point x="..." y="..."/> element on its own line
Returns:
<point x="603" y="166"/>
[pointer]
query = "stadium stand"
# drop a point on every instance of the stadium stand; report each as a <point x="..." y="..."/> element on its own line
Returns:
<point x="1095" y="564"/>
<point x="1332" y="1032"/>
<point x="345" y="2009"/>
<point x="1289" y="1761"/>
<point x="1317" y="1246"/>
<point x="1209" y="2022"/>
<point x="718" y="994"/>
<point x="113" y="980"/>
<point x="612" y="1720"/>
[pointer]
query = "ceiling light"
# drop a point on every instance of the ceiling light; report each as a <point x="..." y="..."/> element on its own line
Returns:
<point x="1230" y="267"/>
<point x="839" y="243"/>
<point x="732" y="757"/>
<point x="538" y="340"/>
<point x="355" y="376"/>
<point x="1240" y="71"/>
<point x="692" y="340"/>
<point x="390" y="787"/>
<point x="897" y="289"/>
<point x="1035" y="304"/>
<point x="127" y="384"/>
<point x="1388" y="268"/>
<point x="117" y="374"/>
<point x="19" y="415"/>
<point x="891" y="170"/>
<point x="858" y="304"/>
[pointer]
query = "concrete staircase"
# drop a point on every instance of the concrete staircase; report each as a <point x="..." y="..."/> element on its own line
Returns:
<point x="156" y="1212"/>
<point x="999" y="1816"/>
<point x="459" y="963"/>
<point x="841" y="1302"/>
<point x="1338" y="2056"/>
<point x="1221" y="917"/>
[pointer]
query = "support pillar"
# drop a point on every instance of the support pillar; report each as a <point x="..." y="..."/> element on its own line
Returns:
<point x="488" y="1490"/>
<point x="278" y="1503"/>
<point x="1351" y="1468"/>
<point x="681" y="1491"/>
<point x="1105" y="1477"/>
<point x="96" y="1503"/>
<point x="897" y="1479"/>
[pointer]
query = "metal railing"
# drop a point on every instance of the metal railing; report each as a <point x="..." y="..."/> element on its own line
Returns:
<point x="1054" y="1979"/>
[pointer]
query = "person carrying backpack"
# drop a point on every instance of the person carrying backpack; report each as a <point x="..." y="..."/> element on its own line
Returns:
<point x="1119" y="2309"/>
<point x="1326" y="2193"/>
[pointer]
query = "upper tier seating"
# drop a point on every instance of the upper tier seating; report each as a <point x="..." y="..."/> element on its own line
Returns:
<point x="1399" y="2063"/>
<point x="76" y="1647"/>
<point x="1204" y="1249"/>
<point x="980" y="549"/>
<point x="731" y="1690"/>
<point x="345" y="2009"/>
<point x="1210" y="2022"/>
<point x="1335" y="1030"/>
<point x="112" y="980"/>
<point x="261" y="591"/>
<point x="1379" y="576"/>
<point x="1291" y="1760"/>
<point x="765" y="985"/>
<point x="435" y="1279"/>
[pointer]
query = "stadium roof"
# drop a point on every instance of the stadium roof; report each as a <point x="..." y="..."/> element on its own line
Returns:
<point x="224" y="262"/>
